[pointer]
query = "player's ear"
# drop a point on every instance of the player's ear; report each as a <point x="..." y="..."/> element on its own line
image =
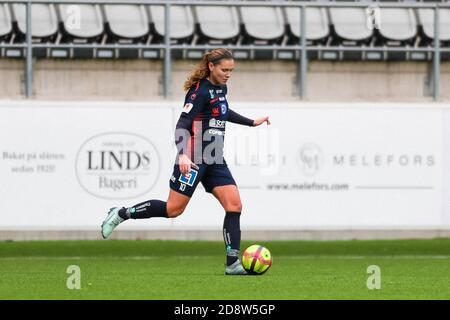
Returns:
<point x="210" y="66"/>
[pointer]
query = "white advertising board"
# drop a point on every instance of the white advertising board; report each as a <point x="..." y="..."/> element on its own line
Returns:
<point x="63" y="164"/>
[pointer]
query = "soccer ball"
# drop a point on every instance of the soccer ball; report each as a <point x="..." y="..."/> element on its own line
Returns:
<point x="256" y="259"/>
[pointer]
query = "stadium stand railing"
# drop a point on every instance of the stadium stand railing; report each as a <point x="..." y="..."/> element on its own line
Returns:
<point x="136" y="29"/>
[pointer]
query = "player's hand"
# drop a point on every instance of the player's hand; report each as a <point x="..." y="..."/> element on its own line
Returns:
<point x="260" y="121"/>
<point x="185" y="164"/>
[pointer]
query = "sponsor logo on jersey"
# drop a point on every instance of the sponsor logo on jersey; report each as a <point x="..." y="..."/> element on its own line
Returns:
<point x="213" y="100"/>
<point x="223" y="108"/>
<point x="189" y="178"/>
<point x="215" y="112"/>
<point x="188" y="107"/>
<point x="211" y="94"/>
<point x="216" y="132"/>
<point x="221" y="98"/>
<point x="219" y="91"/>
<point x="217" y="123"/>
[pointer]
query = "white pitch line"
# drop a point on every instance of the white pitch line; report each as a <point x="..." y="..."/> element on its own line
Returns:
<point x="306" y="257"/>
<point x="337" y="257"/>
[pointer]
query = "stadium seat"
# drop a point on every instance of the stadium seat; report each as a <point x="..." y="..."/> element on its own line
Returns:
<point x="350" y="29"/>
<point x="398" y="28"/>
<point x="182" y="25"/>
<point x="6" y="30"/>
<point x="217" y="25"/>
<point x="127" y="24"/>
<point x="44" y="25"/>
<point x="90" y="29"/>
<point x="262" y="26"/>
<point x="317" y="27"/>
<point x="5" y="22"/>
<point x="350" y="25"/>
<point x="426" y="21"/>
<point x="43" y="19"/>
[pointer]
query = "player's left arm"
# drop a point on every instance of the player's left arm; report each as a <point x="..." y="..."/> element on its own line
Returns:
<point x="239" y="119"/>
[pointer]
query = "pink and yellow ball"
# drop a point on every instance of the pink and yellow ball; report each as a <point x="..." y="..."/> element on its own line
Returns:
<point x="256" y="259"/>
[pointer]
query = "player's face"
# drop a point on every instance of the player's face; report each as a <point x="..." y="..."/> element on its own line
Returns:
<point x="221" y="72"/>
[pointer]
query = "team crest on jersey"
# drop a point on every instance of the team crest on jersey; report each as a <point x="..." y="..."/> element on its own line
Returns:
<point x="223" y="108"/>
<point x="188" y="107"/>
<point x="193" y="96"/>
<point x="215" y="112"/>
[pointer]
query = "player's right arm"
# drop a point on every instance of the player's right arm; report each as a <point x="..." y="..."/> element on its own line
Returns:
<point x="193" y="105"/>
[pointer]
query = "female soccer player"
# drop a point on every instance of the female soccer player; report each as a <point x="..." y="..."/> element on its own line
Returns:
<point x="199" y="138"/>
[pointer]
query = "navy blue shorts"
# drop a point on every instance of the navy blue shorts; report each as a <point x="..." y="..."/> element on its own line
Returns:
<point x="210" y="175"/>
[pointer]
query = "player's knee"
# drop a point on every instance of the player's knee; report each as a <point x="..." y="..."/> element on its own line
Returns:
<point x="175" y="210"/>
<point x="234" y="206"/>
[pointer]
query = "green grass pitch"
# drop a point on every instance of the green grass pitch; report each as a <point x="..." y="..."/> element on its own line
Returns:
<point x="410" y="269"/>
